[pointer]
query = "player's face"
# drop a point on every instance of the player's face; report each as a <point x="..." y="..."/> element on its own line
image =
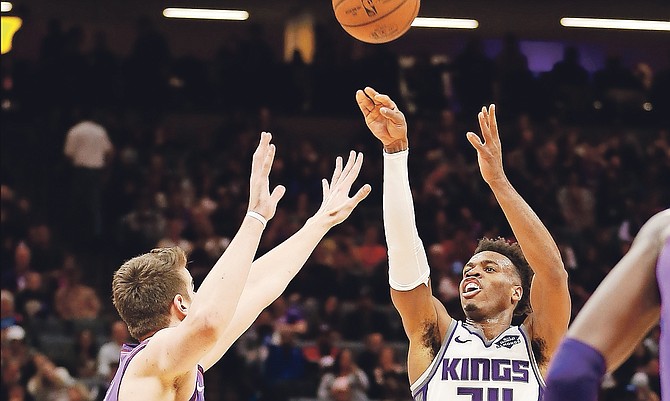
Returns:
<point x="490" y="285"/>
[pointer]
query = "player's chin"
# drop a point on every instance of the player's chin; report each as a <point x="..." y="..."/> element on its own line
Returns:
<point x="472" y="311"/>
<point x="470" y="306"/>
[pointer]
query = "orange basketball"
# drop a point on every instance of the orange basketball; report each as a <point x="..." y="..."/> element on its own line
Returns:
<point x="376" y="21"/>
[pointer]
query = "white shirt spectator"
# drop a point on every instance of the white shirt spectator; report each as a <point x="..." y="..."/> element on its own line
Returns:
<point x="109" y="353"/>
<point x="108" y="356"/>
<point x="87" y="144"/>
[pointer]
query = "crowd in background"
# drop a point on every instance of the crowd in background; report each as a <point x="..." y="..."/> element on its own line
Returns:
<point x="92" y="175"/>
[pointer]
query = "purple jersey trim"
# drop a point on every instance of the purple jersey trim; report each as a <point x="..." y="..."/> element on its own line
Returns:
<point x="533" y="362"/>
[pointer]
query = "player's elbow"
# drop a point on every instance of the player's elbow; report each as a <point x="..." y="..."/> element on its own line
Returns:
<point x="559" y="272"/>
<point x="207" y="327"/>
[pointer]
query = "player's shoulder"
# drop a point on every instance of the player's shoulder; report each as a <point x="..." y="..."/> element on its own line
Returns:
<point x="658" y="223"/>
<point x="657" y="229"/>
<point x="153" y="349"/>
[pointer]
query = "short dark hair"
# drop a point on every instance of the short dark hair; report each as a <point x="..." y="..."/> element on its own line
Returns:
<point x="512" y="251"/>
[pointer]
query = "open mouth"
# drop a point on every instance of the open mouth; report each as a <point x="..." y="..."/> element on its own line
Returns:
<point x="471" y="289"/>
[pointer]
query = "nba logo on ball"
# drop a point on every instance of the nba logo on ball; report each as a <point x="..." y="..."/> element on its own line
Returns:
<point x="376" y="21"/>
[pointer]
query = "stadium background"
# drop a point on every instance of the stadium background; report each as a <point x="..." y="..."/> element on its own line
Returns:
<point x="585" y="131"/>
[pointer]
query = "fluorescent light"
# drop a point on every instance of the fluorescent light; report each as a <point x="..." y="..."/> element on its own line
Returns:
<point x="6" y="6"/>
<point x="605" y="23"/>
<point x="424" y="22"/>
<point x="204" y="13"/>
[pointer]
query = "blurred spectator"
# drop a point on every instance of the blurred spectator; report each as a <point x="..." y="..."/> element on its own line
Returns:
<point x="11" y="389"/>
<point x="33" y="301"/>
<point x="514" y="79"/>
<point x="285" y="367"/>
<point x="367" y="359"/>
<point x="253" y="345"/>
<point x="89" y="149"/>
<point x="79" y="392"/>
<point x="7" y="309"/>
<point x="617" y="87"/>
<point x="86" y="354"/>
<point x="328" y="316"/>
<point x="146" y="70"/>
<point x="569" y="71"/>
<point x="390" y="378"/>
<point x="14" y="279"/>
<point x="104" y="74"/>
<point x="577" y="205"/>
<point x="108" y="356"/>
<point x="74" y="300"/>
<point x="614" y="76"/>
<point x="173" y="236"/>
<point x="14" y="344"/>
<point x="257" y="62"/>
<point x="289" y="315"/>
<point x="660" y="93"/>
<point x="371" y="254"/>
<point x="425" y="84"/>
<point x="344" y="382"/>
<point x="324" y="351"/>
<point x="50" y="382"/>
<point x="474" y="73"/>
<point x="569" y="83"/>
<point x="365" y="319"/>
<point x="46" y="256"/>
<point x="143" y="227"/>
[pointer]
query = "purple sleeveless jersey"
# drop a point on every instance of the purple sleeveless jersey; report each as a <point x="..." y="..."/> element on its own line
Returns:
<point x="128" y="352"/>
<point x="663" y="278"/>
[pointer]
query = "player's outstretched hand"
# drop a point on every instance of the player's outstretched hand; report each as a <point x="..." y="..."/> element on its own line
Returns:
<point x="489" y="152"/>
<point x="337" y="205"/>
<point x="260" y="199"/>
<point x="383" y="118"/>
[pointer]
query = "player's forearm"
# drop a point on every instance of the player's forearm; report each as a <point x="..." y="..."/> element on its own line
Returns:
<point x="536" y="242"/>
<point x="220" y="292"/>
<point x="408" y="265"/>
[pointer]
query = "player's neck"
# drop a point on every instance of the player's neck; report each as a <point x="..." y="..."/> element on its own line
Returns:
<point x="490" y="326"/>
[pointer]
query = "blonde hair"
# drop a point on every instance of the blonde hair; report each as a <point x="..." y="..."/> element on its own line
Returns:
<point x="143" y="289"/>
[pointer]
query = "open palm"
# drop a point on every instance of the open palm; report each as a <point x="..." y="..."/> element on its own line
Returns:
<point x="336" y="204"/>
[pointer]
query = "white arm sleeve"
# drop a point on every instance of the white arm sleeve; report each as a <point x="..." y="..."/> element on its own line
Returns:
<point x="408" y="265"/>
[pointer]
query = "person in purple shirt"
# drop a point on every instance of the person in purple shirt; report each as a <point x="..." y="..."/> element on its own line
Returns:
<point x="182" y="333"/>
<point x="626" y="305"/>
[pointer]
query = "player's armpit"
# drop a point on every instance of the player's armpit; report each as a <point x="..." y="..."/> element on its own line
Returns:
<point x="425" y="321"/>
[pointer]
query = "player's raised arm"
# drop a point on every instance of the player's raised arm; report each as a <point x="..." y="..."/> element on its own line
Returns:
<point x="549" y="294"/>
<point x="272" y="272"/>
<point x="178" y="350"/>
<point x="616" y="318"/>
<point x="424" y="318"/>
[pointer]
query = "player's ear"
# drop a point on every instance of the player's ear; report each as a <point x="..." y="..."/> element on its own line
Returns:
<point x="517" y="293"/>
<point x="179" y="303"/>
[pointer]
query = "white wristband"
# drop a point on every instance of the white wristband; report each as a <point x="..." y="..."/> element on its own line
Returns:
<point x="258" y="217"/>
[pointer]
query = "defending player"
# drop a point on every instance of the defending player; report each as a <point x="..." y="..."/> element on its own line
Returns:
<point x="623" y="309"/>
<point x="183" y="333"/>
<point x="484" y="358"/>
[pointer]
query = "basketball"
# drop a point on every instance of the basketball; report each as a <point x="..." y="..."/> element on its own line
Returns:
<point x="376" y="21"/>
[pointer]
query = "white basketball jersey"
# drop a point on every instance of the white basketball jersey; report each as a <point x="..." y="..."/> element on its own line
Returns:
<point x="469" y="368"/>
